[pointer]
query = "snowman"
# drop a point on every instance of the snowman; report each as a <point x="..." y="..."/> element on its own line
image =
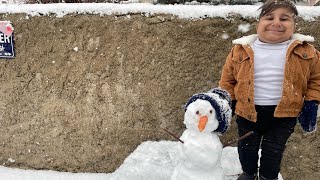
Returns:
<point x="207" y="115"/>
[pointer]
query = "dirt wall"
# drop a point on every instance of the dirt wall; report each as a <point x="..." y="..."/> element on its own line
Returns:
<point x="85" y="90"/>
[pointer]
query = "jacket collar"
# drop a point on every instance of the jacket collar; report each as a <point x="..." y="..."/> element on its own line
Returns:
<point x="247" y="40"/>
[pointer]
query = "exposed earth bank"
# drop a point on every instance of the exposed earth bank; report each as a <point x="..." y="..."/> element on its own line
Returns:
<point x="85" y="90"/>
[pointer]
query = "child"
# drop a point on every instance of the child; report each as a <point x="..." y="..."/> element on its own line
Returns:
<point x="273" y="77"/>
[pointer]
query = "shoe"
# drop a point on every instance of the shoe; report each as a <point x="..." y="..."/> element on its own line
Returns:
<point x="245" y="176"/>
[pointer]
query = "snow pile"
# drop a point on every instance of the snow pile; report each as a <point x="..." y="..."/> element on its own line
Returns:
<point x="151" y="160"/>
<point x="19" y="174"/>
<point x="181" y="11"/>
<point x="157" y="160"/>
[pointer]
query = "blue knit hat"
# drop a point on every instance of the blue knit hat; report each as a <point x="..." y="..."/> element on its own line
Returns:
<point x="220" y="100"/>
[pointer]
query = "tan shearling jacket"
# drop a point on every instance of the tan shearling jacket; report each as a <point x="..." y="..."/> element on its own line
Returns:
<point x="301" y="76"/>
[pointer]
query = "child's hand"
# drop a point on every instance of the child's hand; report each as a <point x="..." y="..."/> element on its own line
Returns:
<point x="308" y="116"/>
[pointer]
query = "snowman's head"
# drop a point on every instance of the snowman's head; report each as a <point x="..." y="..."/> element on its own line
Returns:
<point x="209" y="111"/>
<point x="201" y="116"/>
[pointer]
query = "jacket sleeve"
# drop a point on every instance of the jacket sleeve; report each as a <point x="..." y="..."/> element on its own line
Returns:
<point x="313" y="89"/>
<point x="227" y="80"/>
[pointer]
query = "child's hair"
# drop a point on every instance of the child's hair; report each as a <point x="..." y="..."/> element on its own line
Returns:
<point x="271" y="5"/>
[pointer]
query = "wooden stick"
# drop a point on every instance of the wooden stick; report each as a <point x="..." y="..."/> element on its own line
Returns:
<point x="173" y="135"/>
<point x="226" y="144"/>
<point x="238" y="139"/>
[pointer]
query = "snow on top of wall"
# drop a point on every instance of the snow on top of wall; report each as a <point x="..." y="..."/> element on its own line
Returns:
<point x="182" y="11"/>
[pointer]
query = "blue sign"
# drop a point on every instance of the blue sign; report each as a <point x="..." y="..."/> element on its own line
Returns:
<point x="6" y="40"/>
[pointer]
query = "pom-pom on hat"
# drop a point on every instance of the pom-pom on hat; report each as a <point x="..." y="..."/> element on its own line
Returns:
<point x="220" y="100"/>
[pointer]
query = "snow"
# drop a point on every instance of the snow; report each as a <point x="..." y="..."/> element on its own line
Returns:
<point x="181" y="11"/>
<point x="199" y="156"/>
<point x="141" y="165"/>
<point x="244" y="28"/>
<point x="151" y="160"/>
<point x="19" y="174"/>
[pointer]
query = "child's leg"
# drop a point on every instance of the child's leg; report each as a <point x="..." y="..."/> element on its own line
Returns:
<point x="273" y="145"/>
<point x="248" y="148"/>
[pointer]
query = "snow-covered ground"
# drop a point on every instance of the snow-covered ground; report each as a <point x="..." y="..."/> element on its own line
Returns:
<point x="151" y="160"/>
<point x="19" y="174"/>
<point x="182" y="11"/>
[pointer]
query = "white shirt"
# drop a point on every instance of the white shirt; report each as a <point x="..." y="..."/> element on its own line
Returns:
<point x="269" y="62"/>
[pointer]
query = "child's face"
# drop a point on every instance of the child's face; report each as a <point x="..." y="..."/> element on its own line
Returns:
<point x="276" y="26"/>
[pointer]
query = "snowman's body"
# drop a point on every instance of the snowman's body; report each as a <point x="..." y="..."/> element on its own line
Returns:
<point x="200" y="154"/>
<point x="200" y="157"/>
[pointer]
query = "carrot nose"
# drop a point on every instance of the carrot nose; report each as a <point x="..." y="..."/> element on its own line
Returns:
<point x="202" y="123"/>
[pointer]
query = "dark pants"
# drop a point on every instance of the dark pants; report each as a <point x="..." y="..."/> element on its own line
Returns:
<point x="270" y="134"/>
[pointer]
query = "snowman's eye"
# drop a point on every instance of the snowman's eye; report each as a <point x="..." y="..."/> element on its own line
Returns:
<point x="197" y="112"/>
<point x="210" y="111"/>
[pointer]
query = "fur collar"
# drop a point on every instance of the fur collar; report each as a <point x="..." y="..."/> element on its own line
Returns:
<point x="247" y="40"/>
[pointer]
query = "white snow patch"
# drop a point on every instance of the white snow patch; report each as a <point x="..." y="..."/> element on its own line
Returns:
<point x="244" y="28"/>
<point x="182" y="11"/>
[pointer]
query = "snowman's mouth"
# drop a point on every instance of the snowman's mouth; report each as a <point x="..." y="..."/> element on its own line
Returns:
<point x="202" y="123"/>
